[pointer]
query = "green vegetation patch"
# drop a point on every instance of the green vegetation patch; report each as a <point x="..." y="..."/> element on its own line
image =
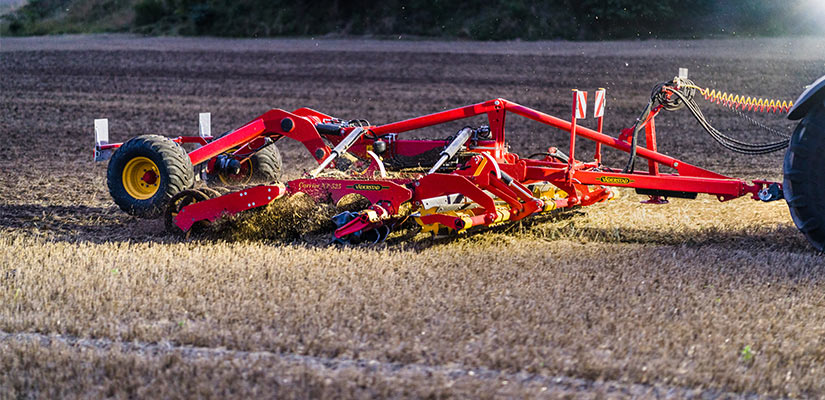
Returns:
<point x="472" y="19"/>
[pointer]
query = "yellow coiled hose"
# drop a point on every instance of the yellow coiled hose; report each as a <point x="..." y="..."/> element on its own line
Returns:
<point x="748" y="103"/>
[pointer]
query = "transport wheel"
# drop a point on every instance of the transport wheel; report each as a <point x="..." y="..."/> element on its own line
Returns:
<point x="263" y="167"/>
<point x="177" y="203"/>
<point x="804" y="180"/>
<point x="145" y="172"/>
<point x="223" y="178"/>
<point x="266" y="165"/>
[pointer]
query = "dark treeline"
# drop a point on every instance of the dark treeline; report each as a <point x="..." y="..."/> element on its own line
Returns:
<point x="473" y="19"/>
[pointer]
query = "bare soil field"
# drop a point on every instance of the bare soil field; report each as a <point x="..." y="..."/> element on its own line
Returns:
<point x="694" y="299"/>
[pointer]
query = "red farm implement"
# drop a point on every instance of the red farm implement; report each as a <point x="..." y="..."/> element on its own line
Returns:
<point x="468" y="180"/>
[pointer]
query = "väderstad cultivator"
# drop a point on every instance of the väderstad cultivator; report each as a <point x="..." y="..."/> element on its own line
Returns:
<point x="465" y="181"/>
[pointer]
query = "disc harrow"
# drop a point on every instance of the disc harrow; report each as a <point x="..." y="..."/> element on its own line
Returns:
<point x="469" y="180"/>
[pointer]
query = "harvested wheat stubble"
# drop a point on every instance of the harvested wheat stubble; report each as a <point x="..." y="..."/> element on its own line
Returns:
<point x="613" y="311"/>
<point x="664" y="295"/>
<point x="166" y="366"/>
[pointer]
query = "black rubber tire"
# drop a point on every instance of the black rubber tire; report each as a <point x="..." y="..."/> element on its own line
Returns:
<point x="174" y="167"/>
<point x="266" y="167"/>
<point x="804" y="180"/>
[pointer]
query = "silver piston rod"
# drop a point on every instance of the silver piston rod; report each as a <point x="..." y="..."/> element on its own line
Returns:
<point x="341" y="148"/>
<point x="451" y="150"/>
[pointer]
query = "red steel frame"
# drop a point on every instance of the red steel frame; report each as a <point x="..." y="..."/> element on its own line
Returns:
<point x="689" y="178"/>
<point x="574" y="177"/>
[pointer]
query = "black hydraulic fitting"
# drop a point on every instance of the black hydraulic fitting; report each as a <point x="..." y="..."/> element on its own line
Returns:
<point x="228" y="164"/>
<point x="379" y="147"/>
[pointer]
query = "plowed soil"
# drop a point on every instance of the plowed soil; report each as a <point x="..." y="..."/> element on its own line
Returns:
<point x="694" y="298"/>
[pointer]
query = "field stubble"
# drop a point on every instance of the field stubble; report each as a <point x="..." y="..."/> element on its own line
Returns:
<point x="698" y="294"/>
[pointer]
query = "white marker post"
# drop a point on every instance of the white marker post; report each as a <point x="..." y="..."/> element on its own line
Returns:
<point x="205" y="125"/>
<point x="598" y="113"/>
<point x="101" y="139"/>
<point x="205" y="132"/>
<point x="581" y="103"/>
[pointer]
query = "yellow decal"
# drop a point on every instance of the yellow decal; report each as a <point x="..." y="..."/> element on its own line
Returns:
<point x="367" y="186"/>
<point x="614" y="180"/>
<point x="321" y="185"/>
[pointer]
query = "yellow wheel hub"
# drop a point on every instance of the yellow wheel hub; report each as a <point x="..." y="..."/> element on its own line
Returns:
<point x="141" y="178"/>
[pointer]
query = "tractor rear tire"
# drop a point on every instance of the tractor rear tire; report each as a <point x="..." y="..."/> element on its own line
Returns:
<point x="804" y="180"/>
<point x="145" y="172"/>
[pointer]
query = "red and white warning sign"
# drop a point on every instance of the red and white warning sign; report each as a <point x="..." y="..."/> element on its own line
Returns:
<point x="598" y="109"/>
<point x="581" y="104"/>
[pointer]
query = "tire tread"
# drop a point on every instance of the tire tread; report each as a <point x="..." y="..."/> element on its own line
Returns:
<point x="175" y="162"/>
<point x="804" y="177"/>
